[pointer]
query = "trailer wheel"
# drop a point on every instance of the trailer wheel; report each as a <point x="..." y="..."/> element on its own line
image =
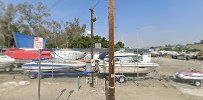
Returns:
<point x="32" y="76"/>
<point x="8" y="69"/>
<point x="197" y="83"/>
<point x="121" y="79"/>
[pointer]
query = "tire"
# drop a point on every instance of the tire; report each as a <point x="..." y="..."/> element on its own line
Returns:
<point x="197" y="83"/>
<point x="8" y="69"/>
<point x="121" y="79"/>
<point x="32" y="76"/>
<point x="15" y="65"/>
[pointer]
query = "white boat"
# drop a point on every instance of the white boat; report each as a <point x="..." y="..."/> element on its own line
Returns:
<point x="189" y="75"/>
<point x="68" y="54"/>
<point x="135" y="64"/>
<point x="54" y="65"/>
<point x="121" y="54"/>
<point x="129" y="63"/>
<point x="192" y="76"/>
<point x="131" y="59"/>
<point x="6" y="61"/>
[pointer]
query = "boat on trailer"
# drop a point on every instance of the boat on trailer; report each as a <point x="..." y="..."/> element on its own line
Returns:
<point x="53" y="65"/>
<point x="68" y="54"/>
<point x="6" y="62"/>
<point x="193" y="76"/>
<point x="123" y="59"/>
<point x="27" y="54"/>
<point x="128" y="65"/>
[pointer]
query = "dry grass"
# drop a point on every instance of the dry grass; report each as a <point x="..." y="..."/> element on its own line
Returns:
<point x="195" y="46"/>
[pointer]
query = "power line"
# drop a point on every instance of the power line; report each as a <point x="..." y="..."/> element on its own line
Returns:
<point x="98" y="1"/>
<point x="55" y="4"/>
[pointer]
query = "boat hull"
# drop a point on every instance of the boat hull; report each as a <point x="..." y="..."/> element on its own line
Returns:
<point x="68" y="54"/>
<point x="27" y="54"/>
<point x="52" y="66"/>
<point x="5" y="65"/>
<point x="135" y="64"/>
<point x="189" y="76"/>
<point x="6" y="61"/>
<point x="129" y="67"/>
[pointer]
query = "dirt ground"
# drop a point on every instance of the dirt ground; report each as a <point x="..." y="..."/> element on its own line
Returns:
<point x="171" y="66"/>
<point x="18" y="87"/>
<point x="51" y="90"/>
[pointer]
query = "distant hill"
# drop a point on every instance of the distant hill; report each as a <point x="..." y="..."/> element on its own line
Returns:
<point x="195" y="46"/>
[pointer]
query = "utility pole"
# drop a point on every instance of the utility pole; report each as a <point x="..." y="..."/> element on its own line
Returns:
<point x="111" y="51"/>
<point x="39" y="74"/>
<point x="93" y="19"/>
<point x="92" y="32"/>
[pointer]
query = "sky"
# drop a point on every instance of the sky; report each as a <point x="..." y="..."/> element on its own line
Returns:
<point x="138" y="23"/>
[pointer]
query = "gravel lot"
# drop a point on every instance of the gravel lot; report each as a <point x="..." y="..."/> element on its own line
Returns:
<point x="18" y="87"/>
<point x="51" y="90"/>
<point x="171" y="66"/>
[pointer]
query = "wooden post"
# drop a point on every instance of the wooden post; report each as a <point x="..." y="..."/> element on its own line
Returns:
<point x="39" y="73"/>
<point x="111" y="51"/>
<point x="92" y="47"/>
<point x="92" y="33"/>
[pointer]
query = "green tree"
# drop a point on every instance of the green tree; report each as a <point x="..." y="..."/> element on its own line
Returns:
<point x="119" y="44"/>
<point x="55" y="34"/>
<point x="33" y="20"/>
<point x="104" y="43"/>
<point x="73" y="31"/>
<point x="8" y="24"/>
<point x="97" y="39"/>
<point x="34" y="17"/>
<point x="85" y="42"/>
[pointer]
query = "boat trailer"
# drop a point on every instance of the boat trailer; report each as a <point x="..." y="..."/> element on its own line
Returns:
<point x="34" y="74"/>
